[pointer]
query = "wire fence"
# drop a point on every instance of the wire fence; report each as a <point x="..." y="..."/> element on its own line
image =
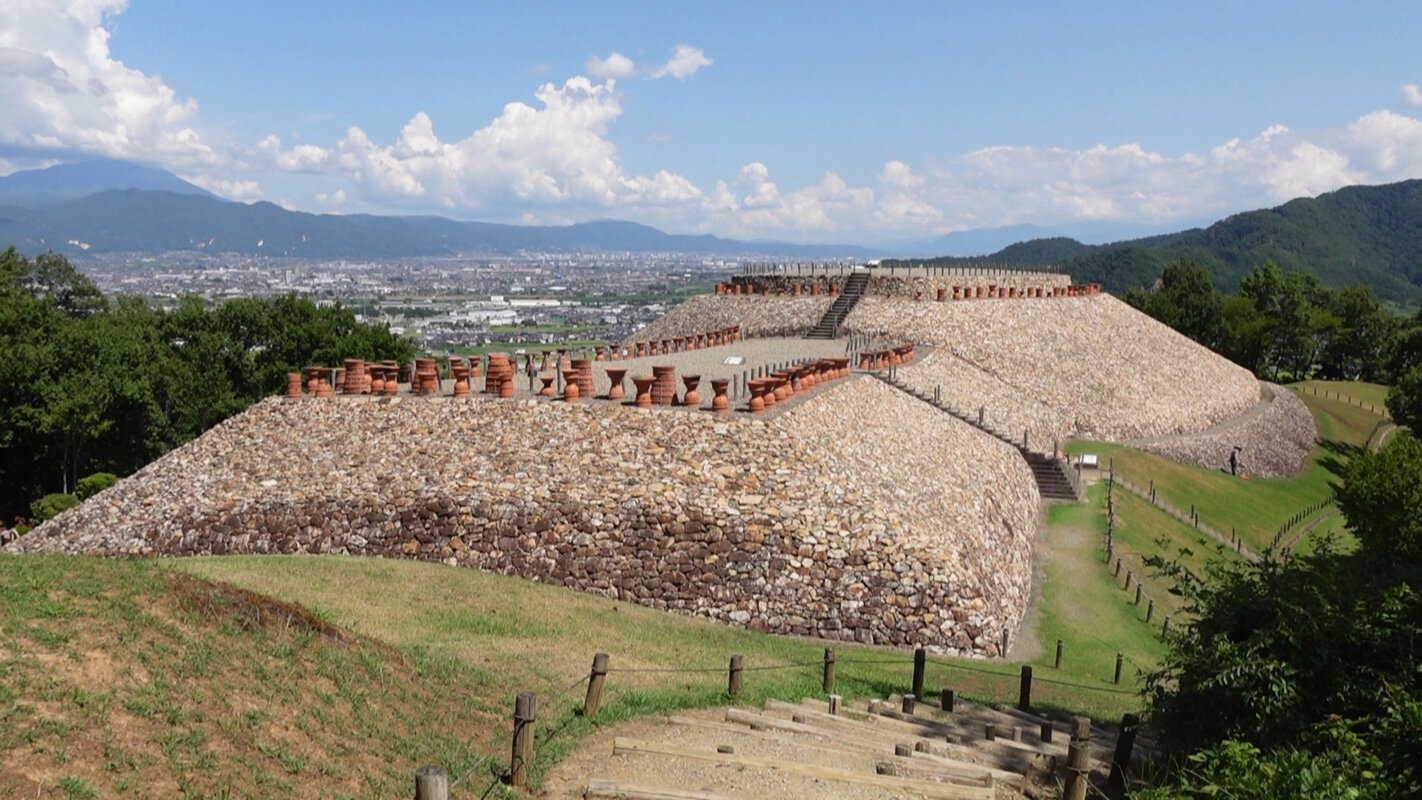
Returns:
<point x="1334" y="394"/>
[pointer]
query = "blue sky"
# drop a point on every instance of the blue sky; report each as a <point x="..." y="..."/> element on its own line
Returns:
<point x="824" y="121"/>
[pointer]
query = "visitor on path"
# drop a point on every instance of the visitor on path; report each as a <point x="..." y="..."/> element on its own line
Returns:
<point x="1235" y="462"/>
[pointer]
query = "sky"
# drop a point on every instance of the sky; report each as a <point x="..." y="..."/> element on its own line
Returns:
<point x="824" y="121"/>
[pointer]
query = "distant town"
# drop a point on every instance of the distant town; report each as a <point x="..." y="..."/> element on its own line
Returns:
<point x="454" y="305"/>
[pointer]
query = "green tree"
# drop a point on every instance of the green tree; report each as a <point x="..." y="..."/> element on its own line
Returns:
<point x="1381" y="497"/>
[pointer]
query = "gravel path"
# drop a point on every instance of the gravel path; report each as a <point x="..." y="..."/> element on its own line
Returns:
<point x="1277" y="436"/>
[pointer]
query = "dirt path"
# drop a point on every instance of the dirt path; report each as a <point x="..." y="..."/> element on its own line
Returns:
<point x="1266" y="399"/>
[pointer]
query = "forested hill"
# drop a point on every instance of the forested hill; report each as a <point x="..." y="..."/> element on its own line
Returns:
<point x="1358" y="234"/>
<point x="137" y="220"/>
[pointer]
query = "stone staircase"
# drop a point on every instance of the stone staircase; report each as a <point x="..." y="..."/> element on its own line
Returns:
<point x="828" y="326"/>
<point x="885" y="749"/>
<point x="1055" y="478"/>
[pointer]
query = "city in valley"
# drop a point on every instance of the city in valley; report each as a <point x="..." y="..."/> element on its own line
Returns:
<point x="443" y="304"/>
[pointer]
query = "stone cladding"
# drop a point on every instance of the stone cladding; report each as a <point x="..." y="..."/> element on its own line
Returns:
<point x="1112" y="372"/>
<point x="758" y="316"/>
<point x="972" y="390"/>
<point x="860" y="513"/>
<point x="1277" y="439"/>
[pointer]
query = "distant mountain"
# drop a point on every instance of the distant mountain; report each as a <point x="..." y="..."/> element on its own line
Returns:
<point x="146" y="221"/>
<point x="1358" y="234"/>
<point x="987" y="240"/>
<point x="32" y="188"/>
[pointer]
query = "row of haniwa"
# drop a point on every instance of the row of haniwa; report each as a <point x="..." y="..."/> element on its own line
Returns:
<point x="888" y="357"/>
<point x="658" y="389"/>
<point x="994" y="292"/>
<point x="369" y="378"/>
<point x="796" y="289"/>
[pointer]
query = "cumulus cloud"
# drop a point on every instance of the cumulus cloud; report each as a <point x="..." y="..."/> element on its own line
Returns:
<point x="232" y="190"/>
<point x="684" y="62"/>
<point x="1412" y="94"/>
<point x="555" y="153"/>
<point x="615" y="66"/>
<point x="61" y="87"/>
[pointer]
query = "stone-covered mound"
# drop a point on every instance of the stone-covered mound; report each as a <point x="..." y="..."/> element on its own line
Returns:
<point x="758" y="316"/>
<point x="859" y="513"/>
<point x="1110" y="371"/>
<point x="1276" y="439"/>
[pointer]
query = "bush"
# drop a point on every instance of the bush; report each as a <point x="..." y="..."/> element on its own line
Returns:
<point x="92" y="485"/>
<point x="51" y="505"/>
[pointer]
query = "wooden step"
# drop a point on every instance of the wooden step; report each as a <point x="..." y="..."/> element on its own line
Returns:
<point x="939" y="754"/>
<point x="946" y="791"/>
<point x="600" y="788"/>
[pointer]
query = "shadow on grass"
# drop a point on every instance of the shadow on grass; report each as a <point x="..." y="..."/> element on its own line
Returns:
<point x="1337" y="455"/>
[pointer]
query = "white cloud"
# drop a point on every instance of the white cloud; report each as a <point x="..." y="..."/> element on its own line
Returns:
<point x="684" y="62"/>
<point x="615" y="66"/>
<point x="1412" y="94"/>
<point x="557" y="153"/>
<point x="1388" y="145"/>
<point x="232" y="190"/>
<point x="61" y="87"/>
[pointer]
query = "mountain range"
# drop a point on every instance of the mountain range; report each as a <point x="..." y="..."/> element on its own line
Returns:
<point x="110" y="207"/>
<point x="1358" y="234"/>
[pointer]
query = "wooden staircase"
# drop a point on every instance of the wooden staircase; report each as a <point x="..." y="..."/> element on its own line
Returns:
<point x="828" y="326"/>
<point x="1056" y="480"/>
<point x="881" y="748"/>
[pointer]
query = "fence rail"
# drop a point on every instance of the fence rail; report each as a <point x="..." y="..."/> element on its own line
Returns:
<point x="1349" y="399"/>
<point x="537" y="721"/>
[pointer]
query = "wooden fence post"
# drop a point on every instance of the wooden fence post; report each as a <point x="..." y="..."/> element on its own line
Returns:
<point x="525" y="720"/>
<point x="1058" y="664"/>
<point x="1125" y="742"/>
<point x="1119" y="659"/>
<point x="920" y="660"/>
<point x="595" y="681"/>
<point x="734" y="686"/>
<point x="945" y="700"/>
<point x="1150" y="611"/>
<point x="829" y="670"/>
<point x="1078" y="765"/>
<point x="431" y="783"/>
<point x="1024" y="689"/>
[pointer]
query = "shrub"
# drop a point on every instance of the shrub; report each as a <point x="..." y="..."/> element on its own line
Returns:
<point x="92" y="485"/>
<point x="51" y="505"/>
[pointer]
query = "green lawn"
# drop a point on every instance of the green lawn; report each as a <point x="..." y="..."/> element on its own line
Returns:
<point x="1254" y="508"/>
<point x="526" y="636"/>
<point x="1372" y="395"/>
<point x="1083" y="605"/>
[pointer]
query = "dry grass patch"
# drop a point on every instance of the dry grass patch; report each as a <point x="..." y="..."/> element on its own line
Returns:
<point x="118" y="678"/>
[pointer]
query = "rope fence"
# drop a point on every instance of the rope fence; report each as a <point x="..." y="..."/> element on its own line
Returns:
<point x="537" y="722"/>
<point x="1339" y="396"/>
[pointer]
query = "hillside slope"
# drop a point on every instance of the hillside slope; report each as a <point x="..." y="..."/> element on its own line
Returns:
<point x="1357" y="234"/>
<point x="118" y="679"/>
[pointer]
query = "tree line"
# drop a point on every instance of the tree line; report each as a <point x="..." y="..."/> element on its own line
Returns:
<point x="91" y="384"/>
<point x="1303" y="677"/>
<point x="1285" y="325"/>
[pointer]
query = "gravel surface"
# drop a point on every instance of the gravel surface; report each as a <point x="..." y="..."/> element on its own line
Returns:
<point x="859" y="513"/>
<point x="1112" y="372"/>
<point x="758" y="316"/>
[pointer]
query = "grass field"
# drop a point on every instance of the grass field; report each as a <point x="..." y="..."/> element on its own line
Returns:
<point x="1255" y="508"/>
<point x="124" y="679"/>
<point x="137" y="679"/>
